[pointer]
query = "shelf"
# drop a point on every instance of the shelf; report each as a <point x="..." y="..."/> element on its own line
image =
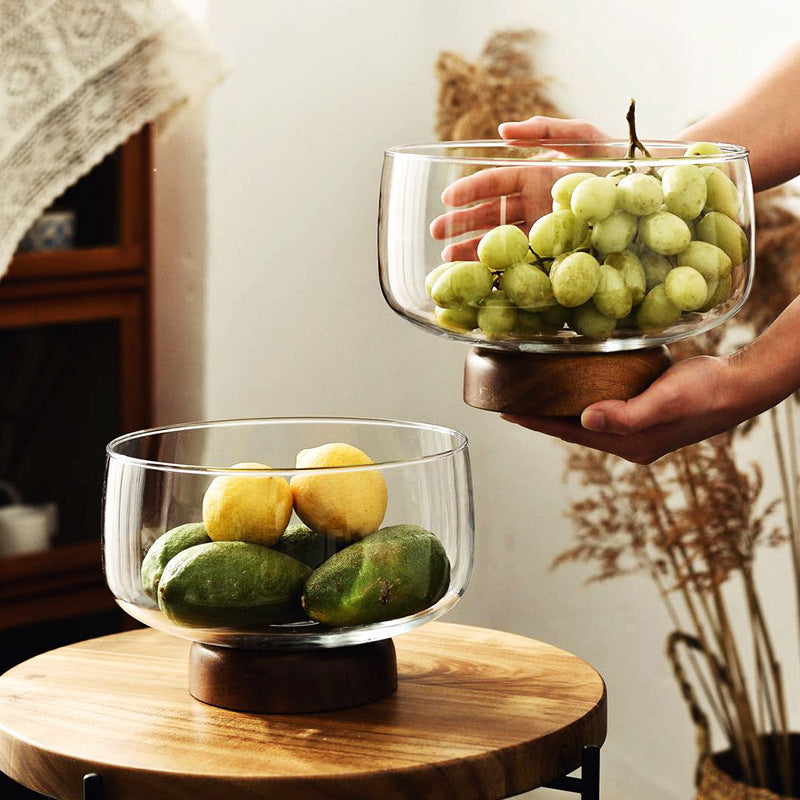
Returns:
<point x="52" y="584"/>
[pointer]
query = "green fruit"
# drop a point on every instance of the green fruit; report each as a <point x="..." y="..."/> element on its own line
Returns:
<point x="630" y="267"/>
<point x="720" y="230"/>
<point x="718" y="292"/>
<point x="664" y="233"/>
<point x="684" y="190"/>
<point x="503" y="246"/>
<point x="702" y="149"/>
<point x="639" y="194"/>
<point x="722" y="194"/>
<point x="593" y="199"/>
<point x="466" y="283"/>
<point x="556" y="233"/>
<point x="710" y="261"/>
<point x="614" y="233"/>
<point x="457" y="319"/>
<point x="497" y="315"/>
<point x="307" y="546"/>
<point x="657" y="310"/>
<point x="526" y="286"/>
<point x="612" y="297"/>
<point x="434" y="274"/>
<point x="686" y="287"/>
<point x="391" y="573"/>
<point x="164" y="548"/>
<point x="588" y="321"/>
<point x="562" y="189"/>
<point x="575" y="280"/>
<point x="232" y="584"/>
<point x="656" y="267"/>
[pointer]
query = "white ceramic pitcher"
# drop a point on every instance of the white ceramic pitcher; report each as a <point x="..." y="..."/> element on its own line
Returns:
<point x="25" y="528"/>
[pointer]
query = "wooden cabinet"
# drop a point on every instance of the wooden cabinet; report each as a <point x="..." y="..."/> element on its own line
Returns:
<point x="74" y="373"/>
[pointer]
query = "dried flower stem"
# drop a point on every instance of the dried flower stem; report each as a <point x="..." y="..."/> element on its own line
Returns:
<point x="741" y="699"/>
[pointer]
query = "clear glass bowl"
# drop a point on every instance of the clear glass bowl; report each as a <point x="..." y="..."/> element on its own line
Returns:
<point x="489" y="183"/>
<point x="156" y="480"/>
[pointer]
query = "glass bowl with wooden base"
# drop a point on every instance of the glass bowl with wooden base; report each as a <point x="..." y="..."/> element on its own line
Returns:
<point x="289" y="550"/>
<point x="569" y="266"/>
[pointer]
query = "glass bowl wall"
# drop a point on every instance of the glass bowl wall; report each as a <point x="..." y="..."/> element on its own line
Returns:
<point x="510" y="183"/>
<point x="156" y="480"/>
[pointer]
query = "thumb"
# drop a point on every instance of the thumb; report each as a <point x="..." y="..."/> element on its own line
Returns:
<point x="630" y="416"/>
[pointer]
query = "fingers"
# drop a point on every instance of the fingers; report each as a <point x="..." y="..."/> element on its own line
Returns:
<point x="483" y="216"/>
<point x="487" y="183"/>
<point x="551" y="128"/>
<point x="466" y="250"/>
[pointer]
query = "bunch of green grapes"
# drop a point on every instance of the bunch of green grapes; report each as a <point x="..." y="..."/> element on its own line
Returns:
<point x="631" y="250"/>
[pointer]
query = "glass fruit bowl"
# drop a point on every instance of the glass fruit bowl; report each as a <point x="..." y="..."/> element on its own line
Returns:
<point x="566" y="246"/>
<point x="357" y="530"/>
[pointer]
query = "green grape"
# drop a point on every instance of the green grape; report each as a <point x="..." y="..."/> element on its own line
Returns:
<point x="722" y="194"/>
<point x="529" y="323"/>
<point x="457" y="319"/>
<point x="575" y="280"/>
<point x="656" y="267"/>
<point x="527" y="287"/>
<point x="502" y="246"/>
<point x="720" y="230"/>
<point x="657" y="310"/>
<point x="612" y="297"/>
<point x="629" y="265"/>
<point x="496" y="315"/>
<point x="718" y="293"/>
<point x="435" y="273"/>
<point x="554" y="318"/>
<point x="702" y="149"/>
<point x="560" y="206"/>
<point x="561" y="190"/>
<point x="588" y="321"/>
<point x="684" y="190"/>
<point x="687" y="288"/>
<point x="557" y="233"/>
<point x="708" y="259"/>
<point x="664" y="233"/>
<point x="593" y="199"/>
<point x="466" y="283"/>
<point x="614" y="233"/>
<point x="639" y="194"/>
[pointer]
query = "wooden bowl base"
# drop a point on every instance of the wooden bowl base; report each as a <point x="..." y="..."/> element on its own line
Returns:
<point x="557" y="384"/>
<point x="293" y="681"/>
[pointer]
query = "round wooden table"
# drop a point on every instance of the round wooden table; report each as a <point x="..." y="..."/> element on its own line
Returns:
<point x="478" y="715"/>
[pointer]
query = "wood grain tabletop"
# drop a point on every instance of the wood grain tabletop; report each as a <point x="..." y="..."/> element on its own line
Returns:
<point x="478" y="715"/>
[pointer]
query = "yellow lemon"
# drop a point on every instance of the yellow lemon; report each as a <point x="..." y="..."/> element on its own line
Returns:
<point x="247" y="508"/>
<point x="347" y="505"/>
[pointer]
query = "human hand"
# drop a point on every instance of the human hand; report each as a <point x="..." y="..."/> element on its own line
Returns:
<point x="526" y="191"/>
<point x="693" y="400"/>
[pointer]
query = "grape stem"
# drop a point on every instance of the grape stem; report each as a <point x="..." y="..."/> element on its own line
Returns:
<point x="632" y="137"/>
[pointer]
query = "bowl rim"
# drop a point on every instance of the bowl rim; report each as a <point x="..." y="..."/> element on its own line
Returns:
<point x="730" y="152"/>
<point x="112" y="452"/>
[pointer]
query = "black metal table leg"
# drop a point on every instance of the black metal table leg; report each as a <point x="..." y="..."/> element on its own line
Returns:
<point x="92" y="787"/>
<point x="588" y="785"/>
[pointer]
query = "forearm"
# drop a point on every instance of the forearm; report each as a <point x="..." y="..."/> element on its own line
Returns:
<point x="765" y="119"/>
<point x="768" y="370"/>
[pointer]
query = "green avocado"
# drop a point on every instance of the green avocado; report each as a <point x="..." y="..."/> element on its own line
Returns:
<point x="164" y="548"/>
<point x="391" y="573"/>
<point x="307" y="546"/>
<point x="232" y="584"/>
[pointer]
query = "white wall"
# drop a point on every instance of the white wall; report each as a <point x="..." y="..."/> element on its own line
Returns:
<point x="294" y="322"/>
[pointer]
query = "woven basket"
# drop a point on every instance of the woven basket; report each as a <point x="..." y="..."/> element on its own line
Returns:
<point x="718" y="774"/>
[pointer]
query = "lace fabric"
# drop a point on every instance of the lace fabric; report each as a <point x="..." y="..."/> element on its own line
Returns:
<point x="76" y="80"/>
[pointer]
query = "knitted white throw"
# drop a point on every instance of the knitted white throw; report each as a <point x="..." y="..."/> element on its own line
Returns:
<point x="77" y="78"/>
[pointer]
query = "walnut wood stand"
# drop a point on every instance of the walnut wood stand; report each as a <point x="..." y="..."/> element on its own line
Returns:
<point x="557" y="384"/>
<point x="478" y="714"/>
<point x="295" y="681"/>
